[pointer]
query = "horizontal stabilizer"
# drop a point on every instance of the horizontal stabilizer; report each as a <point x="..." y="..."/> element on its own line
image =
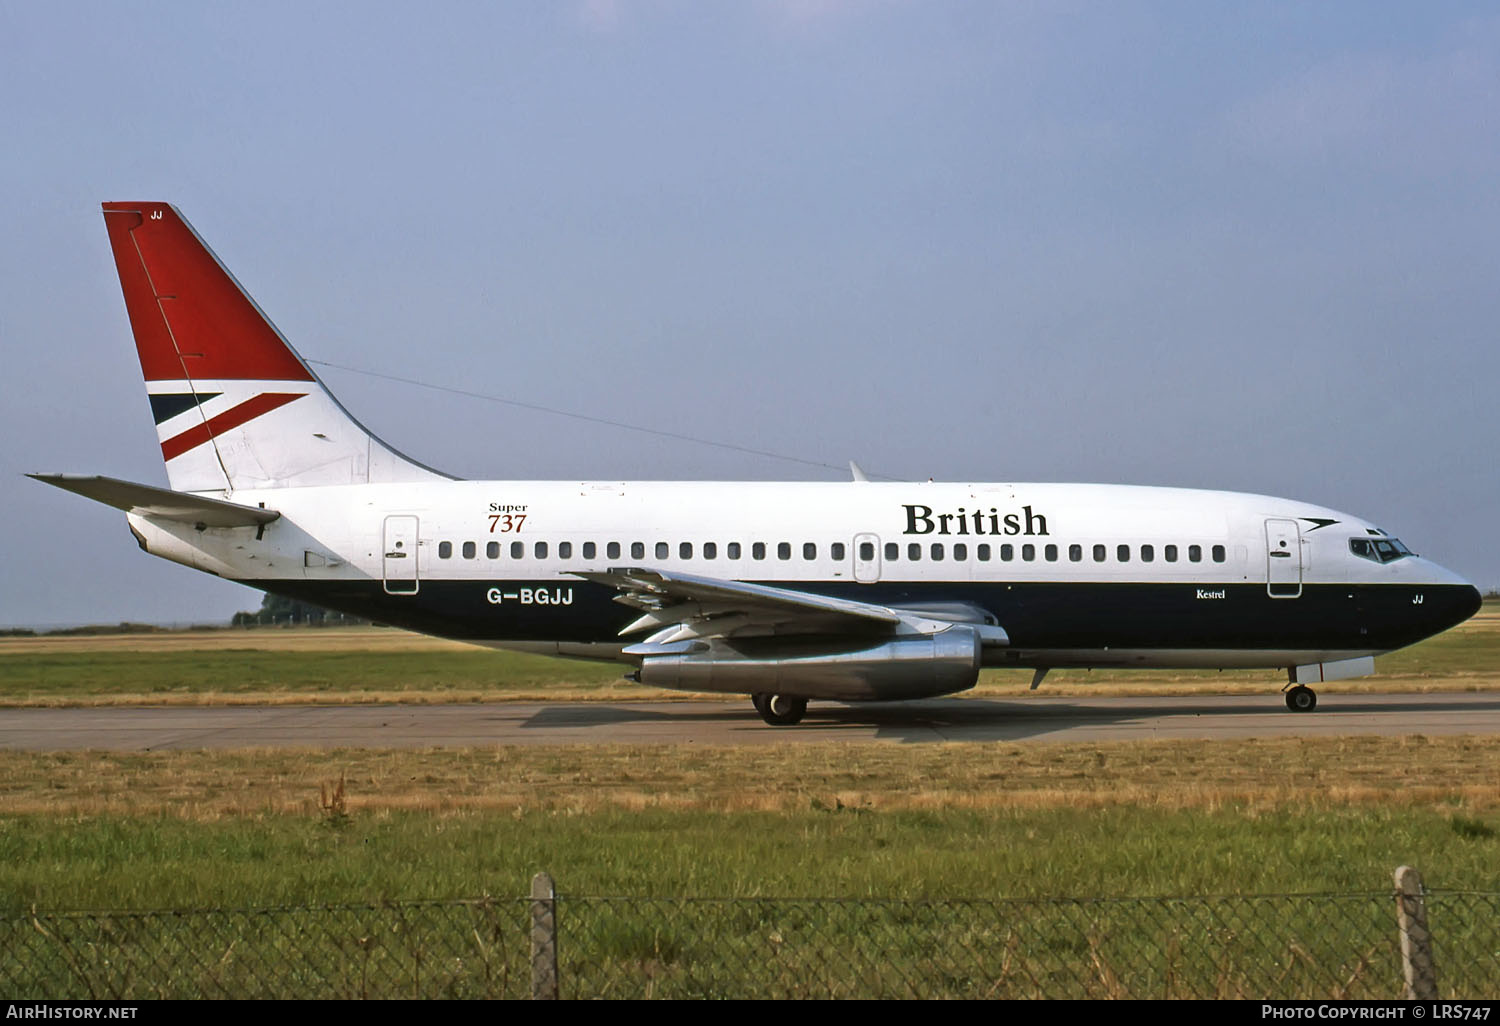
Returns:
<point x="162" y="503"/>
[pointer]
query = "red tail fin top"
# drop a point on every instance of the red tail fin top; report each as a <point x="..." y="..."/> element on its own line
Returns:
<point x="191" y="319"/>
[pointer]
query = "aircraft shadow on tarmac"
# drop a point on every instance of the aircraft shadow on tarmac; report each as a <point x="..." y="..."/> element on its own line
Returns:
<point x="978" y="719"/>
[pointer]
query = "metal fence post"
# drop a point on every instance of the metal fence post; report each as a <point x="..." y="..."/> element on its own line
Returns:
<point x="543" y="938"/>
<point x="1416" y="939"/>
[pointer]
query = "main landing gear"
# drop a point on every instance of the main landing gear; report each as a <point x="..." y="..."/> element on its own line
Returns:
<point x="779" y="710"/>
<point x="1300" y="698"/>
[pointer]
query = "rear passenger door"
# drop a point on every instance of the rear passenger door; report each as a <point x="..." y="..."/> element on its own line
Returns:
<point x="399" y="562"/>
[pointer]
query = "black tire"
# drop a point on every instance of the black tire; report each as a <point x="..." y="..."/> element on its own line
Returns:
<point x="1301" y="699"/>
<point x="759" y="700"/>
<point x="783" y="710"/>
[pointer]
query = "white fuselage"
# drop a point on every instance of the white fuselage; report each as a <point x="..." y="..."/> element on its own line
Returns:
<point x="497" y="560"/>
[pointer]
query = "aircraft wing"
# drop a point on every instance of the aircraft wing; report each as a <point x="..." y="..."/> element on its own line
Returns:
<point x="162" y="503"/>
<point x="683" y="607"/>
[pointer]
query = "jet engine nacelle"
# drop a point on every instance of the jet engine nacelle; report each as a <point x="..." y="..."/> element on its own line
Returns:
<point x="915" y="666"/>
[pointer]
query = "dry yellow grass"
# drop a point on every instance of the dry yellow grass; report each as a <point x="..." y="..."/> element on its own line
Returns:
<point x="260" y="639"/>
<point x="1296" y="773"/>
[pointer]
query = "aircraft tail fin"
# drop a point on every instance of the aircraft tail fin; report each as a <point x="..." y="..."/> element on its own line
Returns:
<point x="235" y="406"/>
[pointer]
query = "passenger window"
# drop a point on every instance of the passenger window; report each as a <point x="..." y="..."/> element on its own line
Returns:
<point x="445" y="550"/>
<point x="685" y="550"/>
<point x="1148" y="553"/>
<point x="960" y="551"/>
<point x="892" y="551"/>
<point x="541" y="550"/>
<point x="733" y="550"/>
<point x="1195" y="553"/>
<point x="809" y="550"/>
<point x="1171" y="553"/>
<point x="1028" y="552"/>
<point x="836" y="551"/>
<point x="637" y="550"/>
<point x="913" y="552"/>
<point x="589" y="550"/>
<point x="984" y="553"/>
<point x="1007" y="553"/>
<point x="470" y="550"/>
<point x="1050" y="553"/>
<point x="937" y="551"/>
<point x="663" y="550"/>
<point x="783" y="550"/>
<point x="758" y="550"/>
<point x="612" y="550"/>
<point x="517" y="550"/>
<point x="1218" y="553"/>
<point x="1099" y="553"/>
<point x="564" y="550"/>
<point x="710" y="550"/>
<point x="1122" y="553"/>
<point x="492" y="550"/>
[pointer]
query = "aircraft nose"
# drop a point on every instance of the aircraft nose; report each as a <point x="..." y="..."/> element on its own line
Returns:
<point x="1454" y="599"/>
<point x="1470" y="602"/>
<point x="1456" y="603"/>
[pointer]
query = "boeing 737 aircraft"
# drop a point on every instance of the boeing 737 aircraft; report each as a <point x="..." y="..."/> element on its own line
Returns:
<point x="849" y="591"/>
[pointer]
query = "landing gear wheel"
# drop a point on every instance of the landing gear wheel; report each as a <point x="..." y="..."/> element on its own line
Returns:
<point x="1301" y="699"/>
<point x="780" y="710"/>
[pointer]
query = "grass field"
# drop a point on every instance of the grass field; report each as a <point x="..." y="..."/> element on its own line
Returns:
<point x="184" y="829"/>
<point x="385" y="665"/>
<point x="1184" y="817"/>
<point x="151" y="863"/>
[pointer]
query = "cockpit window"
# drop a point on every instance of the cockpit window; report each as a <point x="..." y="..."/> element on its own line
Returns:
<point x="1391" y="549"/>
<point x="1379" y="550"/>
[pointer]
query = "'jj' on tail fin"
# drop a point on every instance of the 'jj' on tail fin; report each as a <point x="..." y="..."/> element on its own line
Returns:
<point x="235" y="406"/>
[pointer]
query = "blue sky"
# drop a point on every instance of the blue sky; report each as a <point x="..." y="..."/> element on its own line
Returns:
<point x="1225" y="246"/>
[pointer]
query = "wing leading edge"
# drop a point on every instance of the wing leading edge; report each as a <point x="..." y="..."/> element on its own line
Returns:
<point x="686" y="607"/>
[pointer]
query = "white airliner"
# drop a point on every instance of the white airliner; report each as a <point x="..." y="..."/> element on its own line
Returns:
<point x="851" y="591"/>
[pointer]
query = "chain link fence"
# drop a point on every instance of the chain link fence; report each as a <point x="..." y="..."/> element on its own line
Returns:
<point x="1465" y="928"/>
<point x="1282" y="946"/>
<point x="453" y="949"/>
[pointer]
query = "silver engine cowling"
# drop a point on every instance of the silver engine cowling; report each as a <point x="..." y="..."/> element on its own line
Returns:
<point x="845" y="669"/>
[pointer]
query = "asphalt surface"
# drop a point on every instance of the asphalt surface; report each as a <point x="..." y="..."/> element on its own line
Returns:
<point x="1033" y="719"/>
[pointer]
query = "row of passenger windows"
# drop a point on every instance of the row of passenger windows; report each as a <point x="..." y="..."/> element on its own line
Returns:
<point x="914" y="551"/>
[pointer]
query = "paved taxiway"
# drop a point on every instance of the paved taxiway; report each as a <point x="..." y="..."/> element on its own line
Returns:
<point x="689" y="722"/>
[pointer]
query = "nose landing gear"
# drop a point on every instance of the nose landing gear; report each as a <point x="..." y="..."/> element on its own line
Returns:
<point x="1301" y="698"/>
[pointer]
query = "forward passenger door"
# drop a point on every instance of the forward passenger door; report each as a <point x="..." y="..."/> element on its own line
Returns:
<point x="1283" y="558"/>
